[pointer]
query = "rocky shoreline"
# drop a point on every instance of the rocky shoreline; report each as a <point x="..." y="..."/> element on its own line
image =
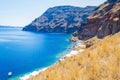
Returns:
<point x="71" y="52"/>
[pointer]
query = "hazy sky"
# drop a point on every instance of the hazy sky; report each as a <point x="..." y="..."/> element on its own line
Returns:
<point x="22" y="12"/>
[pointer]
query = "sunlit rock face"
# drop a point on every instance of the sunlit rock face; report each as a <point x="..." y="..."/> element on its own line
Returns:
<point x="65" y="19"/>
<point x="104" y="21"/>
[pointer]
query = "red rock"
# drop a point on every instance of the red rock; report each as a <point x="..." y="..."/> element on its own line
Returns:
<point x="105" y="21"/>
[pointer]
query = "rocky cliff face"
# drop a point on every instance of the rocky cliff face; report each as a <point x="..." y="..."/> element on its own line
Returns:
<point x="60" y="19"/>
<point x="103" y="22"/>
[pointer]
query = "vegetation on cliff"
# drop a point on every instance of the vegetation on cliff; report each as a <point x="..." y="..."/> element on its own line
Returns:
<point x="99" y="62"/>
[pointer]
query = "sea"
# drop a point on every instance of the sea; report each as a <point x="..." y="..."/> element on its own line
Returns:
<point x="22" y="52"/>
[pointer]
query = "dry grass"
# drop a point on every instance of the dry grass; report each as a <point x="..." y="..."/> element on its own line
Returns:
<point x="99" y="62"/>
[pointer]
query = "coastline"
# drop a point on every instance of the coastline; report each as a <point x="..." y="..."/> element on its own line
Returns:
<point x="67" y="53"/>
<point x="27" y="76"/>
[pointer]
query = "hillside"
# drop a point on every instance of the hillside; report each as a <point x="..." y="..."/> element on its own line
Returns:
<point x="104" y="21"/>
<point x="99" y="62"/>
<point x="66" y="19"/>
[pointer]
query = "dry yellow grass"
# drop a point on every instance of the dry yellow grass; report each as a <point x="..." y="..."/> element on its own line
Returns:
<point x="99" y="62"/>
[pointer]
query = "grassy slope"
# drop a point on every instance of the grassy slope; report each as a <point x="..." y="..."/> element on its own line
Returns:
<point x="99" y="62"/>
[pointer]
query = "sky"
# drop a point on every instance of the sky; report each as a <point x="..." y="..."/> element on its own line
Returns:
<point x="22" y="12"/>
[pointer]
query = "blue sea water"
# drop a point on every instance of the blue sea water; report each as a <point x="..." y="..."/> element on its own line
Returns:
<point x="22" y="52"/>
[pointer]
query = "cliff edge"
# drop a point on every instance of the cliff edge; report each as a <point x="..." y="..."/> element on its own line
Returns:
<point x="104" y="21"/>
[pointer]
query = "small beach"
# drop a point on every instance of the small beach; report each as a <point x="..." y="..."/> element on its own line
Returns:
<point x="71" y="51"/>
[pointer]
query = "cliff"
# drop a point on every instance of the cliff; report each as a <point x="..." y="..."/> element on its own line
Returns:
<point x="104" y="21"/>
<point x="60" y="19"/>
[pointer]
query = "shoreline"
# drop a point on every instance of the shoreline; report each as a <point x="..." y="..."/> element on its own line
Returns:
<point x="67" y="53"/>
<point x="27" y="76"/>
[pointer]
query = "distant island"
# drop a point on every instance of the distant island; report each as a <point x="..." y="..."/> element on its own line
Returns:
<point x="1" y="26"/>
<point x="60" y="19"/>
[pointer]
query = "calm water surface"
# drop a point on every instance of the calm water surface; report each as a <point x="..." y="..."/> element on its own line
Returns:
<point x="22" y="52"/>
